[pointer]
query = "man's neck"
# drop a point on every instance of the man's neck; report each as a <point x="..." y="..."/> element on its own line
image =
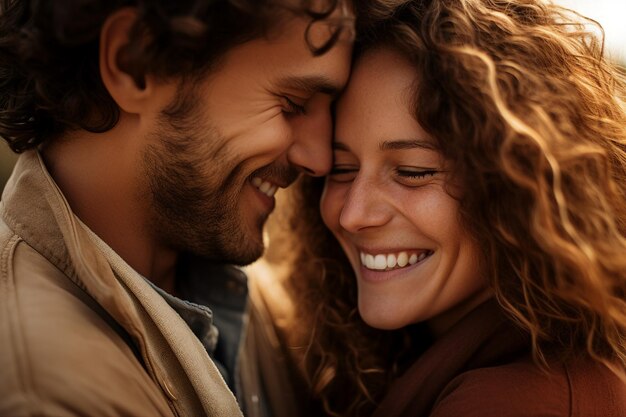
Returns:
<point x="99" y="176"/>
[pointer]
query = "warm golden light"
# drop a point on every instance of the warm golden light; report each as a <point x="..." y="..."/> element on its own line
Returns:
<point x="611" y="14"/>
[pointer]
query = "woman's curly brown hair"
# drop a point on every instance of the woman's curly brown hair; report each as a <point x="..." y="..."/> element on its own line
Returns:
<point x="520" y="98"/>
<point x="49" y="75"/>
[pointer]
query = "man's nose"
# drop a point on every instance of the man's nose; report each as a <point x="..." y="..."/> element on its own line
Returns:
<point x="311" y="151"/>
<point x="365" y="206"/>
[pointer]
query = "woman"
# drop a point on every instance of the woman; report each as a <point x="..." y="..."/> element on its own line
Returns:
<point x="476" y="260"/>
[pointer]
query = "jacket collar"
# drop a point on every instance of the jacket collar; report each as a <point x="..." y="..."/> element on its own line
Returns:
<point x="35" y="209"/>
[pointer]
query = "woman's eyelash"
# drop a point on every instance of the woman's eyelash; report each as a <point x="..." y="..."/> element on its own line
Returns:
<point x="293" y="107"/>
<point x="417" y="174"/>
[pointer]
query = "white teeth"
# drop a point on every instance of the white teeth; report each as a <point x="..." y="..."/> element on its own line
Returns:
<point x="382" y="262"/>
<point x="403" y="259"/>
<point x="265" y="187"/>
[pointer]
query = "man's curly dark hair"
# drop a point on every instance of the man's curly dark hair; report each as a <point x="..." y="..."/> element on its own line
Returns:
<point x="49" y="74"/>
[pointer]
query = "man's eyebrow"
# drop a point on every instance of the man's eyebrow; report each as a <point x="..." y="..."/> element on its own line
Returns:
<point x="312" y="84"/>
<point x="401" y="144"/>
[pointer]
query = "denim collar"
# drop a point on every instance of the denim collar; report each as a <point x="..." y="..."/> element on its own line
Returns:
<point x="199" y="318"/>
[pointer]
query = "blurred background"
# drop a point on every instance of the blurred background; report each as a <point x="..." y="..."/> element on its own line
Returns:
<point x="611" y="14"/>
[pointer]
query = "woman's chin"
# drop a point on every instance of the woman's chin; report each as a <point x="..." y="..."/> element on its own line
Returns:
<point x="382" y="318"/>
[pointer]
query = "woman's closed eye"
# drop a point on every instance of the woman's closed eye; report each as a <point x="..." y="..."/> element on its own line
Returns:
<point x="414" y="176"/>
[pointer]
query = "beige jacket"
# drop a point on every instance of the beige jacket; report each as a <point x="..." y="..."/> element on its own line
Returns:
<point x="71" y="311"/>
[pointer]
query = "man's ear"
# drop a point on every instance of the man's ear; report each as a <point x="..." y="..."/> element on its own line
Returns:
<point x="131" y="89"/>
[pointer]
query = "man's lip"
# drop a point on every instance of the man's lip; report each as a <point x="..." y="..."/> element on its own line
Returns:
<point x="277" y="182"/>
<point x="280" y="183"/>
<point x="282" y="176"/>
<point x="268" y="201"/>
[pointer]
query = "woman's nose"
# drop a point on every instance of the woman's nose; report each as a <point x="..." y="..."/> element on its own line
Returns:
<point x="365" y="206"/>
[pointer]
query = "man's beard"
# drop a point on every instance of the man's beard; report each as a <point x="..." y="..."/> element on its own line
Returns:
<point x="194" y="187"/>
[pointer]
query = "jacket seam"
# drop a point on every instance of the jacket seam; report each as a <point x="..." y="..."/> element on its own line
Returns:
<point x="19" y="228"/>
<point x="23" y="371"/>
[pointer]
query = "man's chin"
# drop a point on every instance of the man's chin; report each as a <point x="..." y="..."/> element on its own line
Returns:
<point x="248" y="258"/>
<point x="236" y="253"/>
<point x="228" y="246"/>
<point x="249" y="248"/>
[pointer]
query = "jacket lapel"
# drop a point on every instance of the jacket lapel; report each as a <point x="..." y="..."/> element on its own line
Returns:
<point x="35" y="208"/>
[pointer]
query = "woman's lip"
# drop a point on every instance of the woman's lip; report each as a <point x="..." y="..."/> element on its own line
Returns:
<point x="373" y="276"/>
<point x="389" y="250"/>
<point x="395" y="260"/>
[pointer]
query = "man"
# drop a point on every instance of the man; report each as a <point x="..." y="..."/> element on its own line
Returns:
<point x="154" y="136"/>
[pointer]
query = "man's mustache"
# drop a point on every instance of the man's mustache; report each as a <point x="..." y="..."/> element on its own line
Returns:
<point x="281" y="175"/>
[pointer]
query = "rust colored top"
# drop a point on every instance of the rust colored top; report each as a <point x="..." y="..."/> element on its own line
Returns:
<point x="482" y="368"/>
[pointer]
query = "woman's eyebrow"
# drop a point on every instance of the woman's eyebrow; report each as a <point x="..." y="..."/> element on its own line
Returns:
<point x="392" y="145"/>
<point x="402" y="144"/>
